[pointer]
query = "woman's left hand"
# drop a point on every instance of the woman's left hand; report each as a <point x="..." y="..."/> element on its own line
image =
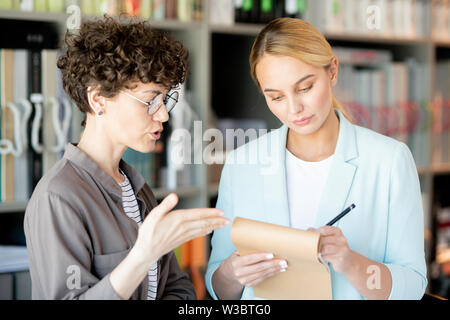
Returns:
<point x="334" y="248"/>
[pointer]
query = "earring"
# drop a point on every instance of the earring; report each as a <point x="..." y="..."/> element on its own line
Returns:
<point x="100" y="113"/>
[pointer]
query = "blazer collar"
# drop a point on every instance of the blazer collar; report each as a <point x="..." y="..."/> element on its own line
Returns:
<point x="84" y="162"/>
<point x="334" y="198"/>
<point x="337" y="187"/>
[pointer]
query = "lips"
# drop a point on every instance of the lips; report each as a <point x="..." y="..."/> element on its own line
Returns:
<point x="303" y="121"/>
<point x="156" y="134"/>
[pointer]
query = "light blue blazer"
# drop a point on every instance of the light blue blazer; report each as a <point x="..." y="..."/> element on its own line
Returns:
<point x="375" y="172"/>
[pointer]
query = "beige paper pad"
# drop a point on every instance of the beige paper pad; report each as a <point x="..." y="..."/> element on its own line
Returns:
<point x="306" y="278"/>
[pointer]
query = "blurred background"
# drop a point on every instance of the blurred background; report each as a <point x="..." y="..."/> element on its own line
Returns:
<point x="394" y="78"/>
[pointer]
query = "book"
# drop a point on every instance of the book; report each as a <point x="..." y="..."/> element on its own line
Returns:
<point x="246" y="11"/>
<point x="159" y="7"/>
<point x="334" y="16"/>
<point x="49" y="91"/>
<point x="7" y="4"/>
<point x="184" y="10"/>
<point x="440" y="105"/>
<point x="221" y="12"/>
<point x="378" y="101"/>
<point x="308" y="276"/>
<point x="171" y="9"/>
<point x="27" y="5"/>
<point x="418" y="138"/>
<point x="132" y="7"/>
<point x="40" y="5"/>
<point x="7" y="124"/>
<point x="22" y="180"/>
<point x="146" y="9"/>
<point x="267" y="11"/>
<point x="56" y="5"/>
<point x="197" y="10"/>
<point x="34" y="86"/>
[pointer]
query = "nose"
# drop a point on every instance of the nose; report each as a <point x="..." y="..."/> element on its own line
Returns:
<point x="295" y="104"/>
<point x="161" y="115"/>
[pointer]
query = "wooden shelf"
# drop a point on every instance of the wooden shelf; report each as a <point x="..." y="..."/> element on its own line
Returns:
<point x="14" y="14"/>
<point x="160" y="193"/>
<point x="423" y="171"/>
<point x="440" y="168"/>
<point x="167" y="24"/>
<point x="61" y="19"/>
<point x="254" y="29"/>
<point x="374" y="38"/>
<point x="10" y="207"/>
<point x="182" y="192"/>
<point x="213" y="189"/>
<point x="442" y="43"/>
<point x="248" y="29"/>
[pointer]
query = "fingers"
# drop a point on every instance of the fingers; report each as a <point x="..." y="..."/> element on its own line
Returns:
<point x="252" y="259"/>
<point x="263" y="276"/>
<point x="329" y="249"/>
<point x="254" y="274"/>
<point x="260" y="267"/>
<point x="329" y="230"/>
<point x="166" y="205"/>
<point x="194" y="229"/>
<point x="198" y="213"/>
<point x="198" y="222"/>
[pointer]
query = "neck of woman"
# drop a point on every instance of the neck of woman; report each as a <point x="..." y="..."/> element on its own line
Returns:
<point x="318" y="145"/>
<point x="102" y="150"/>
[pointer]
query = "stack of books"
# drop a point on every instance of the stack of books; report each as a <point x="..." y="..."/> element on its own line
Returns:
<point x="183" y="10"/>
<point x="387" y="96"/>
<point x="389" y="18"/>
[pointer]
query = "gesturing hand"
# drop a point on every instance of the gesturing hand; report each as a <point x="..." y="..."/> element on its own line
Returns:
<point x="163" y="229"/>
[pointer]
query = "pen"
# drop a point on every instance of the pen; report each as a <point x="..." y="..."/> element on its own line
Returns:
<point x="340" y="215"/>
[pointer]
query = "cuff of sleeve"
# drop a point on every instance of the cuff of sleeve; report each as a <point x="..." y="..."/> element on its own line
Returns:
<point x="407" y="283"/>
<point x="398" y="282"/>
<point x="102" y="290"/>
<point x="208" y="280"/>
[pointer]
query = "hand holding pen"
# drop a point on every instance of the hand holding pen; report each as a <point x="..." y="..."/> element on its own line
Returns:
<point x="334" y="247"/>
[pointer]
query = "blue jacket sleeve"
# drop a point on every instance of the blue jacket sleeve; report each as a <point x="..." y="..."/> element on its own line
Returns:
<point x="404" y="255"/>
<point x="221" y="245"/>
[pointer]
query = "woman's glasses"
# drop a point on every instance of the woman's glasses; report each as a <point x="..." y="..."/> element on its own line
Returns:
<point x="170" y="100"/>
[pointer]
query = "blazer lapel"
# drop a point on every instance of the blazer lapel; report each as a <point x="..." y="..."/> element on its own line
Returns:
<point x="273" y="172"/>
<point x="340" y="178"/>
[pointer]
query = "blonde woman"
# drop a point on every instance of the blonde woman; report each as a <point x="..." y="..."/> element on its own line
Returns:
<point x="324" y="163"/>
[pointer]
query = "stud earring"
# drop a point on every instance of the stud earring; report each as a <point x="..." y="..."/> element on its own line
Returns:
<point x="100" y="113"/>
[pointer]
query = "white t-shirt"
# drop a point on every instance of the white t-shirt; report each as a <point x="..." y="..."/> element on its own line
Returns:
<point x="131" y="208"/>
<point x="305" y="182"/>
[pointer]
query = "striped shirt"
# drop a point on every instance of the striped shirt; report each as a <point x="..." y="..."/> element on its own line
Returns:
<point x="131" y="208"/>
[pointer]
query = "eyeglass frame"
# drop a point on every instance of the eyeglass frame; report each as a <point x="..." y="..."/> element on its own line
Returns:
<point x="151" y="104"/>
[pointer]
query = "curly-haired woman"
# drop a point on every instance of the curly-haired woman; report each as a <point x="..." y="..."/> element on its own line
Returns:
<point x="93" y="227"/>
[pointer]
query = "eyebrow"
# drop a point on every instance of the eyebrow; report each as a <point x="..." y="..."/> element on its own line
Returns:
<point x="152" y="91"/>
<point x="298" y="82"/>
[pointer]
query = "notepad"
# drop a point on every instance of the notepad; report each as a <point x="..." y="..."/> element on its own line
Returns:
<point x="307" y="276"/>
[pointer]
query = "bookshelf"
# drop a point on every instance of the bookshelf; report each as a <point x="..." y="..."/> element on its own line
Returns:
<point x="201" y="37"/>
<point x="15" y="14"/>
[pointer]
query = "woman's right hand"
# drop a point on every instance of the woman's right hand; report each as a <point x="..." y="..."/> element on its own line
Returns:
<point x="164" y="230"/>
<point x="237" y="272"/>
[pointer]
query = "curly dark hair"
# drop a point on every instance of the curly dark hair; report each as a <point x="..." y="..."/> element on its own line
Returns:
<point x="110" y="54"/>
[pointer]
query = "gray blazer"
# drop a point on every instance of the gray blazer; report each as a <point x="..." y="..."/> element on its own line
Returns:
<point x="77" y="233"/>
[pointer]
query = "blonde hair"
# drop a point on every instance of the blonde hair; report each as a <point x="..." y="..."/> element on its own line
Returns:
<point x="295" y="38"/>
